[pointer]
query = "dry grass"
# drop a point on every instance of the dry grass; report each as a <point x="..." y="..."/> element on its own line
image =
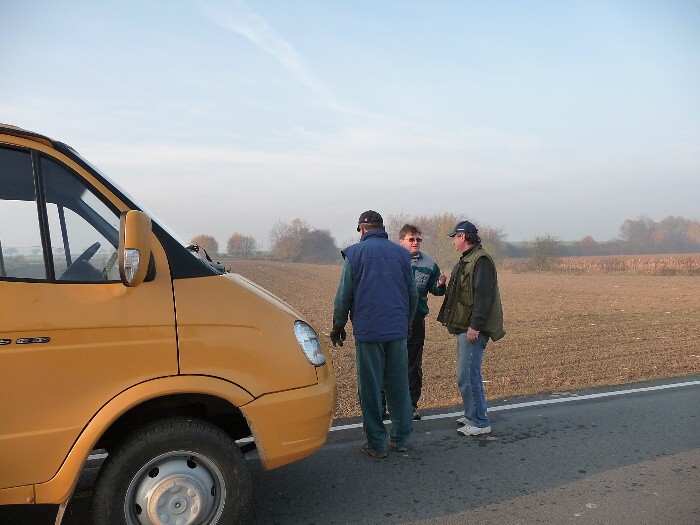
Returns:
<point x="681" y="264"/>
<point x="564" y="331"/>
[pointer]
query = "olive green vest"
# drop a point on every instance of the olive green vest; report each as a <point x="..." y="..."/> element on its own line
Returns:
<point x="456" y="311"/>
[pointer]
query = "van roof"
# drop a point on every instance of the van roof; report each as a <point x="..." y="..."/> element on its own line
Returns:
<point x="9" y="129"/>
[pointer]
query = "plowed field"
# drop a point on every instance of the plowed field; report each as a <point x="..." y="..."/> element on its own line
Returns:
<point x="563" y="332"/>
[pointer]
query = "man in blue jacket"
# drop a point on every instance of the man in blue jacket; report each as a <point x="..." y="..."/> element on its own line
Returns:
<point x="378" y="292"/>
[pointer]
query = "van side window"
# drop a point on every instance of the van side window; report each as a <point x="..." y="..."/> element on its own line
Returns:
<point x="21" y="254"/>
<point x="84" y="232"/>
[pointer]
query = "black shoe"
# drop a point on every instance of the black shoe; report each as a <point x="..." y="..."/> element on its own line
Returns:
<point x="398" y="447"/>
<point x="416" y="415"/>
<point x="366" y="448"/>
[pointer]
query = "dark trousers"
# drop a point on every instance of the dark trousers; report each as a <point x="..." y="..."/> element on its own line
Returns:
<point x="382" y="366"/>
<point x="415" y="363"/>
<point x="415" y="360"/>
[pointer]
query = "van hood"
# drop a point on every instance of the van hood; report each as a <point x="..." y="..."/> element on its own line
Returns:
<point x="264" y="294"/>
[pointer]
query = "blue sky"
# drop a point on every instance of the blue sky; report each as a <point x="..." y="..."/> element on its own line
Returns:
<point x="538" y="117"/>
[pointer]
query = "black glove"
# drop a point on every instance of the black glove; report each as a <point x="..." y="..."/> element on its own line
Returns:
<point x="338" y="335"/>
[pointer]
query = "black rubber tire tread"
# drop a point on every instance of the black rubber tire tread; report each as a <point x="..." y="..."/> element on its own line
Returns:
<point x="166" y="435"/>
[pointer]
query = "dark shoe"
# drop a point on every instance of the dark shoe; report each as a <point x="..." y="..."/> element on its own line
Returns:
<point x="416" y="415"/>
<point x="385" y="415"/>
<point x="398" y="447"/>
<point x="366" y="448"/>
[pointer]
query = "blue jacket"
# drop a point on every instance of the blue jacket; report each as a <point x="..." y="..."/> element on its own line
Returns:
<point x="376" y="289"/>
<point x="427" y="273"/>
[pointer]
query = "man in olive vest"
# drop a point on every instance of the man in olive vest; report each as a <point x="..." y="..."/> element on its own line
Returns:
<point x="472" y="311"/>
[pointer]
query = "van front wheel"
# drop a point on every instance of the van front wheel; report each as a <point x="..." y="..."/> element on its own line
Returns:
<point x="177" y="470"/>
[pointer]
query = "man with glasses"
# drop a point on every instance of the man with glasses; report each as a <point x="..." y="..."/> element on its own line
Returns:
<point x="472" y="312"/>
<point x="429" y="278"/>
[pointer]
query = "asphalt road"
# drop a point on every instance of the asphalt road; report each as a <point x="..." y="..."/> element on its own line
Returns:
<point x="630" y="455"/>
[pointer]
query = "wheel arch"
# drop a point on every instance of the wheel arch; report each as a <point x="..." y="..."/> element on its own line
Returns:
<point x="204" y="397"/>
<point x="206" y="407"/>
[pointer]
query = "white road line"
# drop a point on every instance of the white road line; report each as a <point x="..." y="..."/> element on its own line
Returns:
<point x="568" y="398"/>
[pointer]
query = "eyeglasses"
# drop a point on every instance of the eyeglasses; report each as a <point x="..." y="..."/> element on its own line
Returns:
<point x="413" y="239"/>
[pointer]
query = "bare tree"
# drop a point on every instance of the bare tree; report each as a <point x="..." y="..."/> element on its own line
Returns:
<point x="587" y="246"/>
<point x="318" y="246"/>
<point x="437" y="244"/>
<point x="297" y="242"/>
<point x="434" y="230"/>
<point x="493" y="239"/>
<point x="286" y="238"/>
<point x="240" y="245"/>
<point x="637" y="234"/>
<point x="208" y="243"/>
<point x="693" y="232"/>
<point x="544" y="251"/>
<point x="394" y="223"/>
<point x="670" y="235"/>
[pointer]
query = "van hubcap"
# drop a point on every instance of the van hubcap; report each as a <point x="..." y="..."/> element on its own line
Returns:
<point x="176" y="490"/>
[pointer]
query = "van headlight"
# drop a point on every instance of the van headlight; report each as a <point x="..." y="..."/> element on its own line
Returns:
<point x="309" y="343"/>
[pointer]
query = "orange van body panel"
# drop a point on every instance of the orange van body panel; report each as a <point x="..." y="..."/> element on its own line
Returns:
<point x="231" y="329"/>
<point x="247" y="337"/>
<point x="291" y="425"/>
<point x="98" y="346"/>
<point x="59" y="488"/>
<point x="17" y="495"/>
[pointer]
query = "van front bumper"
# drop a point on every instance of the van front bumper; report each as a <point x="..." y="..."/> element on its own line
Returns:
<point x="293" y="424"/>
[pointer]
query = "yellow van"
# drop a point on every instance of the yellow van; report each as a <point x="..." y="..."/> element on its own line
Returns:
<point x="115" y="336"/>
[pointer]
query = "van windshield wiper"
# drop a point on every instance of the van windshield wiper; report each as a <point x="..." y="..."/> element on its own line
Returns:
<point x="195" y="248"/>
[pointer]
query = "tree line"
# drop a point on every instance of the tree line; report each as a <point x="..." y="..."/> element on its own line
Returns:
<point x="298" y="241"/>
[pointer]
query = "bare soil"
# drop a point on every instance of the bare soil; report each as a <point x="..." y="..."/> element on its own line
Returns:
<point x="564" y="332"/>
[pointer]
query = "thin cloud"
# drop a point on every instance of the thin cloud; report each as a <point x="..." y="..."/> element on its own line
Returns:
<point x="236" y="16"/>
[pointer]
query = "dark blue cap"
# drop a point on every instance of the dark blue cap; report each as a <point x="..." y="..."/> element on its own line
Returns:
<point x="463" y="227"/>
<point x="369" y="217"/>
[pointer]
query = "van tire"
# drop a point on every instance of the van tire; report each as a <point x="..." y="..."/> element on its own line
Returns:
<point x="179" y="466"/>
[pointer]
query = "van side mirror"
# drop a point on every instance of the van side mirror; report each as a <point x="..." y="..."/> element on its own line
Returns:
<point x="134" y="246"/>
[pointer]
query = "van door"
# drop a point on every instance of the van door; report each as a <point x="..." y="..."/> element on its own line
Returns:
<point x="72" y="336"/>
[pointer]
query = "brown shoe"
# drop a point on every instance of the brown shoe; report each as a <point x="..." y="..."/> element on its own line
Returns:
<point x="366" y="448"/>
<point x="398" y="447"/>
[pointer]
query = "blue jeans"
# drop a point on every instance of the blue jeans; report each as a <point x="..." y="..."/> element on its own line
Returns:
<point x="384" y="364"/>
<point x="469" y="382"/>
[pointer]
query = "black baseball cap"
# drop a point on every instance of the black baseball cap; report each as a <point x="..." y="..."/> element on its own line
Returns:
<point x="463" y="227"/>
<point x="369" y="217"/>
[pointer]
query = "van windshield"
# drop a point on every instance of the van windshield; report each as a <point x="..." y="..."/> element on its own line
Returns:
<point x="200" y="255"/>
<point x="130" y="198"/>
